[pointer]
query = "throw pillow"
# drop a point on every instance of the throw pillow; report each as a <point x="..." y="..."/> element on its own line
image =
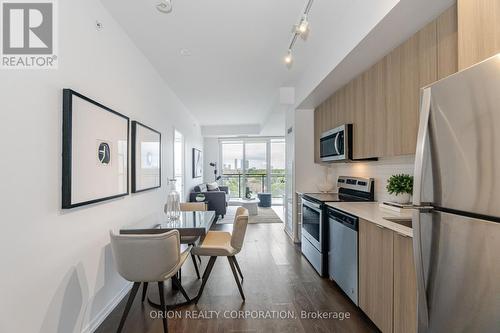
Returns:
<point x="203" y="187"/>
<point x="213" y="186"/>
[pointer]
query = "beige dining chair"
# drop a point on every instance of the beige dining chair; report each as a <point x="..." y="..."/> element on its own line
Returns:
<point x="148" y="258"/>
<point x="224" y="244"/>
<point x="191" y="240"/>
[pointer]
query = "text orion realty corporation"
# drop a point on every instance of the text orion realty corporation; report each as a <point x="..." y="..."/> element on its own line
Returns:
<point x="29" y="34"/>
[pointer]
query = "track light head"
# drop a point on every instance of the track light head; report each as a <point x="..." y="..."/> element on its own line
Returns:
<point x="289" y="59"/>
<point x="164" y="6"/>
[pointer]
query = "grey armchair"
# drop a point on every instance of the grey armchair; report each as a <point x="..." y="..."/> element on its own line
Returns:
<point x="217" y="200"/>
<point x="148" y="258"/>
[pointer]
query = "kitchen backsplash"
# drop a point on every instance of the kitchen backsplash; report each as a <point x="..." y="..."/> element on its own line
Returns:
<point x="380" y="170"/>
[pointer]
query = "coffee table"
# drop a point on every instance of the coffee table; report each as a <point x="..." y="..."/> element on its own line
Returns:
<point x="251" y="204"/>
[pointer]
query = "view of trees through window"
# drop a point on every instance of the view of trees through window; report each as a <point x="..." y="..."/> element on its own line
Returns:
<point x="258" y="165"/>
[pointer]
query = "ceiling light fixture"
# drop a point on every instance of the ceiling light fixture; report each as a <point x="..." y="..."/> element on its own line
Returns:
<point x="301" y="29"/>
<point x="164" y="6"/>
<point x="289" y="58"/>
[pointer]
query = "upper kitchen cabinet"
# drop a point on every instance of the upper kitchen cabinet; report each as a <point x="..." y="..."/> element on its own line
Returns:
<point x="447" y="43"/>
<point x="478" y="31"/>
<point x="383" y="102"/>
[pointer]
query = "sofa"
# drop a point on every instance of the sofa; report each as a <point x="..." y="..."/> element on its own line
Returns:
<point x="217" y="200"/>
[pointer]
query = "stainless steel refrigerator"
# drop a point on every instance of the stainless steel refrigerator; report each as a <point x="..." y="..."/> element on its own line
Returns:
<point x="457" y="194"/>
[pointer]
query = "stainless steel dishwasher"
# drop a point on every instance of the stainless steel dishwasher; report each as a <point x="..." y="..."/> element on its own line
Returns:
<point x="343" y="251"/>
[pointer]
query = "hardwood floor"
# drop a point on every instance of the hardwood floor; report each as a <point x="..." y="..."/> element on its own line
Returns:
<point x="276" y="278"/>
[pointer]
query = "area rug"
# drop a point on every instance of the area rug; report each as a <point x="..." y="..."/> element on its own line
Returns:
<point x="266" y="215"/>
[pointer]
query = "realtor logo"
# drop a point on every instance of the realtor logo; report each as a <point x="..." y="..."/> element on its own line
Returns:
<point x="28" y="34"/>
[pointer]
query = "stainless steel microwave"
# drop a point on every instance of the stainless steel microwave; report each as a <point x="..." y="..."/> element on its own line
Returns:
<point x="336" y="144"/>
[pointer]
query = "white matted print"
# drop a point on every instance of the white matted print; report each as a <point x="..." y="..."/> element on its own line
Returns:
<point x="95" y="151"/>
<point x="197" y="163"/>
<point x="146" y="158"/>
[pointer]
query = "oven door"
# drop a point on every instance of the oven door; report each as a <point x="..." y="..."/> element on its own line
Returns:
<point x="312" y="226"/>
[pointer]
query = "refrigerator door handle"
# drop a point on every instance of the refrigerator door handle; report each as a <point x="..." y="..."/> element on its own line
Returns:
<point x="423" y="129"/>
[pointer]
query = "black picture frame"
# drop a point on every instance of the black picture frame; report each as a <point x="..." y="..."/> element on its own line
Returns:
<point x="67" y="153"/>
<point x="195" y="154"/>
<point x="134" y="156"/>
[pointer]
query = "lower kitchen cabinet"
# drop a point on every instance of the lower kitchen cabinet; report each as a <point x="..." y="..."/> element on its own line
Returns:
<point x="376" y="264"/>
<point x="387" y="281"/>
<point x="405" y="286"/>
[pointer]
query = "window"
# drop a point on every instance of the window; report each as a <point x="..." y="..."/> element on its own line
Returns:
<point x="254" y="163"/>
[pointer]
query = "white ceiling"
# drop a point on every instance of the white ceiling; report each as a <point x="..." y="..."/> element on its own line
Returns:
<point x="235" y="69"/>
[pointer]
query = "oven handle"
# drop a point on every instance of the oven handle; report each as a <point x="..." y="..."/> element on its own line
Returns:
<point x="311" y="205"/>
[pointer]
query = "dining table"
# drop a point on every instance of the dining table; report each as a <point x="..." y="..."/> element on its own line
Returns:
<point x="189" y="223"/>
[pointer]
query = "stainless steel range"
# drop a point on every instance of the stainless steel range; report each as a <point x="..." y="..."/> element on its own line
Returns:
<point x="314" y="243"/>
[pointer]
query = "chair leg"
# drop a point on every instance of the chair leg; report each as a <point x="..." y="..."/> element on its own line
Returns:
<point x="238" y="267"/>
<point x="161" y="290"/>
<point x="236" y="277"/>
<point x="179" y="286"/>
<point x="205" y="277"/>
<point x="130" y="300"/>
<point x="144" y="291"/>
<point x="199" y="258"/>
<point x="195" y="266"/>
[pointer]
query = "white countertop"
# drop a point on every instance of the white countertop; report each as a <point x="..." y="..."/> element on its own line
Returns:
<point x="371" y="212"/>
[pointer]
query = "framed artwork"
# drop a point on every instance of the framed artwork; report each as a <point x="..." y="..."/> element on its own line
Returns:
<point x="146" y="158"/>
<point x="95" y="152"/>
<point x="197" y="163"/>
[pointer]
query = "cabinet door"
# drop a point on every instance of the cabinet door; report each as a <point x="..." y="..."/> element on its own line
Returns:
<point x="317" y="131"/>
<point x="478" y="31"/>
<point x="376" y="274"/>
<point x="409" y="95"/>
<point x="358" y="117"/>
<point x="375" y="111"/>
<point x="393" y="96"/>
<point x="405" y="286"/>
<point x="447" y="42"/>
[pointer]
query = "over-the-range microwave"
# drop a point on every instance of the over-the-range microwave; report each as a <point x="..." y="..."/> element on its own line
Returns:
<point x="336" y="144"/>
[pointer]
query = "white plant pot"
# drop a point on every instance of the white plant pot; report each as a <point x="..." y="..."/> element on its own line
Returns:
<point x="401" y="198"/>
<point x="198" y="199"/>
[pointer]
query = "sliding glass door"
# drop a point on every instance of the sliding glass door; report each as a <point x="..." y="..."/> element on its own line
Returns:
<point x="256" y="164"/>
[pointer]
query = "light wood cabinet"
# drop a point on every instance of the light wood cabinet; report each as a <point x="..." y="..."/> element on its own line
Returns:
<point x="405" y="286"/>
<point x="375" y="111"/>
<point x="447" y="43"/>
<point x="376" y="264"/>
<point x="383" y="102"/>
<point x="394" y="132"/>
<point x="358" y="117"/>
<point x="478" y="31"/>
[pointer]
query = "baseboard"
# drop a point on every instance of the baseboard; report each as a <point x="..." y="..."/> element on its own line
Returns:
<point x="97" y="321"/>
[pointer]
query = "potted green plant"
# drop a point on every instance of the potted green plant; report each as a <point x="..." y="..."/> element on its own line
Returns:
<point x="401" y="187"/>
<point x="200" y="197"/>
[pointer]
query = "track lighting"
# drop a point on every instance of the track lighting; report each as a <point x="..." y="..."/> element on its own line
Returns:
<point x="289" y="58"/>
<point x="164" y="6"/>
<point x="301" y="29"/>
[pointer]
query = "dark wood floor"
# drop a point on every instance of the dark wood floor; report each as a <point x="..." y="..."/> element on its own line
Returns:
<point x="277" y="278"/>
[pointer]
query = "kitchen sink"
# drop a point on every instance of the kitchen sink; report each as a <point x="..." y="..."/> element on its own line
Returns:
<point x="400" y="220"/>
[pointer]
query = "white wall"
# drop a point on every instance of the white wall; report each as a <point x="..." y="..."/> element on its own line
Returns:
<point x="57" y="269"/>
<point x="307" y="173"/>
<point x="210" y="154"/>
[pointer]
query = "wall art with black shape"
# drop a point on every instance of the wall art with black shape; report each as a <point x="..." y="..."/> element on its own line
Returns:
<point x="197" y="163"/>
<point x="95" y="152"/>
<point x="146" y="158"/>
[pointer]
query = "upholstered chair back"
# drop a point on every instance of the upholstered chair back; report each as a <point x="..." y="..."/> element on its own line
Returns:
<point x="146" y="258"/>
<point x="239" y="228"/>
<point x="193" y="206"/>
